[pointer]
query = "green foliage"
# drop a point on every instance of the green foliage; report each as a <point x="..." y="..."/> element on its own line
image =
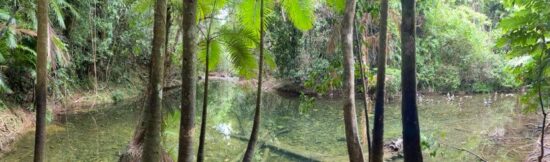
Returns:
<point x="306" y="103"/>
<point x="455" y="53"/>
<point x="117" y="96"/>
<point x="300" y="12"/>
<point x="526" y="36"/>
<point x="337" y="5"/>
<point x="239" y="44"/>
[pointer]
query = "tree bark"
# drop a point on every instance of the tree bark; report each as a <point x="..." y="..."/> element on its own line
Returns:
<point x="378" y="130"/>
<point x="248" y="155"/>
<point x="167" y="44"/>
<point x="355" y="151"/>
<point x="152" y="150"/>
<point x="411" y="128"/>
<point x="42" y="47"/>
<point x="188" y="87"/>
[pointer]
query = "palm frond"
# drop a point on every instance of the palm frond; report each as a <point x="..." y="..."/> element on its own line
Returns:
<point x="249" y="14"/>
<point x="215" y="53"/>
<point x="300" y="12"/>
<point x="207" y="7"/>
<point x="59" y="50"/>
<point x="58" y="13"/>
<point x="240" y="44"/>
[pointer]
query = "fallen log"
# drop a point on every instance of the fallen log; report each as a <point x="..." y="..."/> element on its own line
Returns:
<point x="282" y="150"/>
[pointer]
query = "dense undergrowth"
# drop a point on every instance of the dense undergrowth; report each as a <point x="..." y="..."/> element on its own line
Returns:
<point x="108" y="41"/>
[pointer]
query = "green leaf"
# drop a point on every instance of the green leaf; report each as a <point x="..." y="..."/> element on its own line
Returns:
<point x="4" y="87"/>
<point x="240" y="45"/>
<point x="249" y="14"/>
<point x="11" y="40"/>
<point x="337" y="5"/>
<point x="58" y="13"/>
<point x="206" y="8"/>
<point x="300" y="12"/>
<point x="214" y="56"/>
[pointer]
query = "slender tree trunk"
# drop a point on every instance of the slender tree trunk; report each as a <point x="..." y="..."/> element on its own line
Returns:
<point x="256" y="126"/>
<point x="541" y="102"/>
<point x="355" y="151"/>
<point x="365" y="130"/>
<point x="364" y="80"/>
<point x="188" y="87"/>
<point x="166" y="44"/>
<point x="378" y="131"/>
<point x="42" y="47"/>
<point x="200" y="154"/>
<point x="411" y="128"/>
<point x="152" y="150"/>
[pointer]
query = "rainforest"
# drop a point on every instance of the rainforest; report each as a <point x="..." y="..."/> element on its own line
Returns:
<point x="274" y="80"/>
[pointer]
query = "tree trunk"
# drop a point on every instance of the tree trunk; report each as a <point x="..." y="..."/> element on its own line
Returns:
<point x="364" y="124"/>
<point x="188" y="87"/>
<point x="152" y="150"/>
<point x="541" y="102"/>
<point x="200" y="154"/>
<point x="256" y="126"/>
<point x="411" y="128"/>
<point x="167" y="44"/>
<point x="378" y="131"/>
<point x="355" y="151"/>
<point x="42" y="47"/>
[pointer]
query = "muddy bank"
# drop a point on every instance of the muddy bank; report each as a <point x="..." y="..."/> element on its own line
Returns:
<point x="13" y="124"/>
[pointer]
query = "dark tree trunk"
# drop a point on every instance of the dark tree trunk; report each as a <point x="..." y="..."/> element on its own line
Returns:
<point x="256" y="126"/>
<point x="152" y="150"/>
<point x="188" y="87"/>
<point x="166" y="44"/>
<point x="355" y="151"/>
<point x="541" y="102"/>
<point x="411" y="128"/>
<point x="378" y="131"/>
<point x="42" y="82"/>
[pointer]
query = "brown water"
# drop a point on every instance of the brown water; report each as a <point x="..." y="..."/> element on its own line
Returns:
<point x="313" y="129"/>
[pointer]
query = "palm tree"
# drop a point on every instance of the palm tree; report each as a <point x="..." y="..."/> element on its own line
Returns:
<point x="188" y="87"/>
<point x="208" y="37"/>
<point x="256" y="126"/>
<point x="378" y="131"/>
<point x="42" y="82"/>
<point x="411" y="128"/>
<point x="301" y="13"/>
<point x="152" y="147"/>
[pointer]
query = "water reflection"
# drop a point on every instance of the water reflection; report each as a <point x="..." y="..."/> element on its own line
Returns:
<point x="288" y="132"/>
